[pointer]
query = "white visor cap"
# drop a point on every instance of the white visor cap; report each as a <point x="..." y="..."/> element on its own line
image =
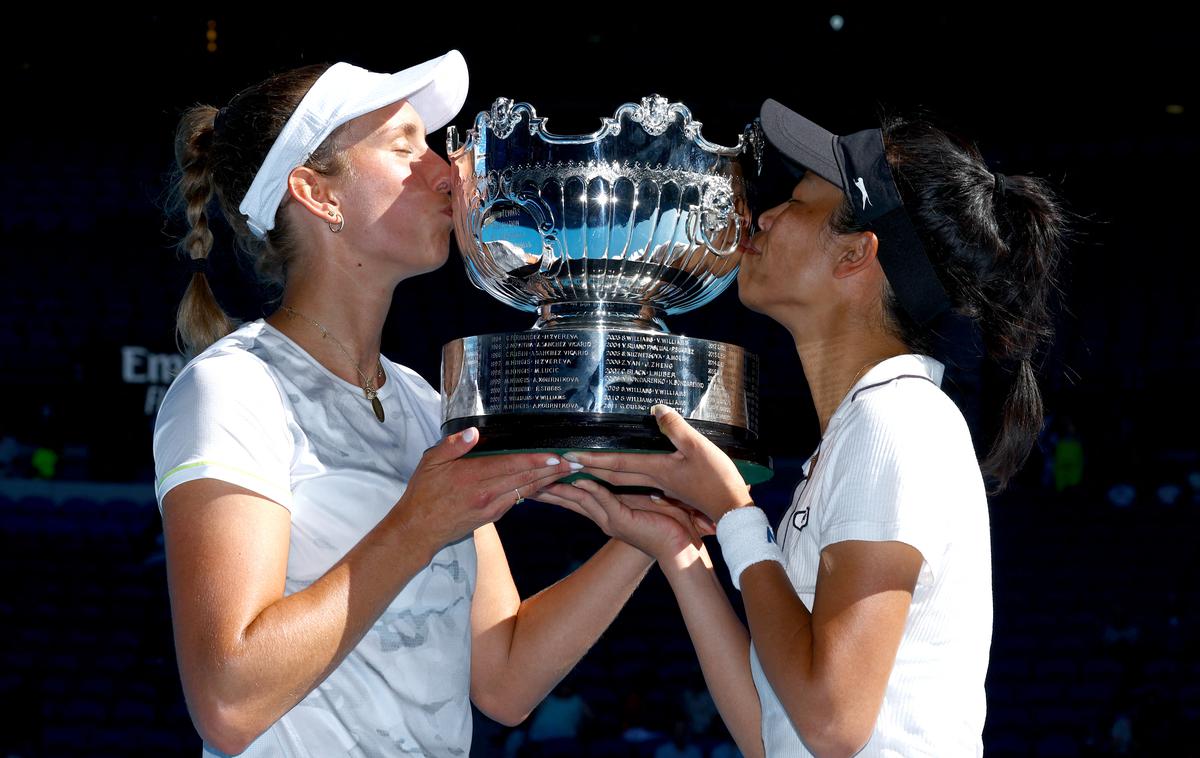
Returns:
<point x="436" y="88"/>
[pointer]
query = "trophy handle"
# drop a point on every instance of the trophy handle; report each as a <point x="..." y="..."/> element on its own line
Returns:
<point x="719" y="212"/>
<point x="543" y="219"/>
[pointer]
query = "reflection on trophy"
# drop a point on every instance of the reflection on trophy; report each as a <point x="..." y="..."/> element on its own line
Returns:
<point x="601" y="235"/>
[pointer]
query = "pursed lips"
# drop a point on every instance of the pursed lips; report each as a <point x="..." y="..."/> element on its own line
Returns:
<point x="750" y="246"/>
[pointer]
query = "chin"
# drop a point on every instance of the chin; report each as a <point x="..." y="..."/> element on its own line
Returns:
<point x="743" y="295"/>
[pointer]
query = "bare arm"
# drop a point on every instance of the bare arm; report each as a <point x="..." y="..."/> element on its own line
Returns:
<point x="247" y="654"/>
<point x="671" y="533"/>
<point x="522" y="649"/>
<point x="829" y="668"/>
<point x="722" y="645"/>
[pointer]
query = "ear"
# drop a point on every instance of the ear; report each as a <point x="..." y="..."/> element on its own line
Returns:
<point x="857" y="255"/>
<point x="313" y="192"/>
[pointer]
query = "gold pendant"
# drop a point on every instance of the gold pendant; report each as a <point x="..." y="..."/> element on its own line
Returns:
<point x="376" y="406"/>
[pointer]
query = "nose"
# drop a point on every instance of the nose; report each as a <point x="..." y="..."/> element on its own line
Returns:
<point x="767" y="218"/>
<point x="438" y="172"/>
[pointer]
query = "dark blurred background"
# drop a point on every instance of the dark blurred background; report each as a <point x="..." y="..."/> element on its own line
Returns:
<point x="1094" y="650"/>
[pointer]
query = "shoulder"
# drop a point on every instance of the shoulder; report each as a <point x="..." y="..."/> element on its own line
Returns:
<point x="901" y="466"/>
<point x="224" y="417"/>
<point x="906" y="434"/>
<point x="231" y="366"/>
<point x="911" y="414"/>
<point x="229" y="378"/>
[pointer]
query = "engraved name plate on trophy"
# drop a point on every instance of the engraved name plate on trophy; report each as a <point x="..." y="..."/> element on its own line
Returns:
<point x="601" y="235"/>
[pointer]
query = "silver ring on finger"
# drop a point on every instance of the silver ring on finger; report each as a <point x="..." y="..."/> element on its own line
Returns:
<point x="519" y="498"/>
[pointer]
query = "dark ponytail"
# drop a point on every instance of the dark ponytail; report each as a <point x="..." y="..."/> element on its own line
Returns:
<point x="996" y="243"/>
<point x="1031" y="225"/>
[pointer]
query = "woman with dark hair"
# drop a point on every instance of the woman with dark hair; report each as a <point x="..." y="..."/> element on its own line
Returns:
<point x="337" y="586"/>
<point x="870" y="618"/>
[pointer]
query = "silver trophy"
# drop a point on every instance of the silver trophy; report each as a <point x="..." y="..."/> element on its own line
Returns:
<point x="601" y="235"/>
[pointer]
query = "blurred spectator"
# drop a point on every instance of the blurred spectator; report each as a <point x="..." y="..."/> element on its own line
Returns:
<point x="1047" y="441"/>
<point x="10" y="452"/>
<point x="1122" y="495"/>
<point x="1068" y="460"/>
<point x="679" y="746"/>
<point x="559" y="716"/>
<point x="1121" y="734"/>
<point x="726" y="750"/>
<point x="1122" y="632"/>
<point x="45" y="463"/>
<point x="1168" y="494"/>
<point x="636" y="726"/>
<point x="555" y="727"/>
<point x="698" y="705"/>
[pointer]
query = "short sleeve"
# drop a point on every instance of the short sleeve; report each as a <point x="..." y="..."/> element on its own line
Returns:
<point x="897" y="475"/>
<point x="223" y="418"/>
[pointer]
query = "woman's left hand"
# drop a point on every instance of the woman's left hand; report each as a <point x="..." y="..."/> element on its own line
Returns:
<point x="697" y="473"/>
<point x="658" y="527"/>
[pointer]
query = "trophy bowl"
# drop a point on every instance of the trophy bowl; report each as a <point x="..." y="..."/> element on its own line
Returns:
<point x="601" y="235"/>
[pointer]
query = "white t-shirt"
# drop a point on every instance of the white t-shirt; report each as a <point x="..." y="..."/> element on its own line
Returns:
<point x="897" y="463"/>
<point x="256" y="410"/>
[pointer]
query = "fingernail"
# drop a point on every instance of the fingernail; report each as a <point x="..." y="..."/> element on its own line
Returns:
<point x="552" y="461"/>
<point x="654" y="497"/>
<point x="576" y="466"/>
<point x="470" y="435"/>
<point x="571" y="456"/>
<point x="659" y="410"/>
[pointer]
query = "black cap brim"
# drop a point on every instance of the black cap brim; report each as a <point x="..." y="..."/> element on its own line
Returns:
<point x="802" y="141"/>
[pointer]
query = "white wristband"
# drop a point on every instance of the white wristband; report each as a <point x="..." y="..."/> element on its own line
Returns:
<point x="746" y="538"/>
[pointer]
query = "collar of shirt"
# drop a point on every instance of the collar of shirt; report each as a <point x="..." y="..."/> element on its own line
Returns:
<point x="911" y="364"/>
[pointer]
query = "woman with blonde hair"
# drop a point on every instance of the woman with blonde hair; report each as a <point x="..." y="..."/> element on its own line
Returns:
<point x="337" y="586"/>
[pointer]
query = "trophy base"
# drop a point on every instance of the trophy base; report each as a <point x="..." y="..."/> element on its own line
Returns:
<point x="615" y="433"/>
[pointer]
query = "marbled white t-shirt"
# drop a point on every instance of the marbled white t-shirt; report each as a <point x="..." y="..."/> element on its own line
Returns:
<point x="256" y="410"/>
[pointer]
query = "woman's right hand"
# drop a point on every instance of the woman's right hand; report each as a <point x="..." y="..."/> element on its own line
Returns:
<point x="450" y="496"/>
<point x="660" y="527"/>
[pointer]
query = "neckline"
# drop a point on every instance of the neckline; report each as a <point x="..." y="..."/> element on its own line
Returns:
<point x="382" y="392"/>
<point x="890" y="368"/>
<point x="887" y="369"/>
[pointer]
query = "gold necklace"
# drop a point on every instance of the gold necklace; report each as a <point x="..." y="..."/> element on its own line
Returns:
<point x="368" y="386"/>
<point x="863" y="371"/>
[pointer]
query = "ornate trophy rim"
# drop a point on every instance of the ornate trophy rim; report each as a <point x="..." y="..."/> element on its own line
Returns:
<point x="657" y="213"/>
<point x="654" y="114"/>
